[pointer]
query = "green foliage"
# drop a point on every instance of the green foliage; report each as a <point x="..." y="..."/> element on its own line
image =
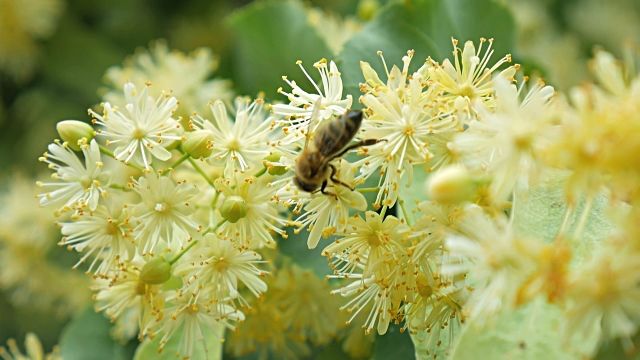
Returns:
<point x="540" y="211"/>
<point x="393" y="345"/>
<point x="269" y="37"/>
<point x="527" y="333"/>
<point x="88" y="337"/>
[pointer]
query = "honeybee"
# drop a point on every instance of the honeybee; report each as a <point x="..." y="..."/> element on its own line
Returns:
<point x="313" y="165"/>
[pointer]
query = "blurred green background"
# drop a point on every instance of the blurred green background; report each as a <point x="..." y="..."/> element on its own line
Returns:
<point x="54" y="54"/>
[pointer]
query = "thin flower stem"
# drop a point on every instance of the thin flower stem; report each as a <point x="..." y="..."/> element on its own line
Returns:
<point x="119" y="187"/>
<point x="200" y="171"/>
<point x="215" y="227"/>
<point x="110" y="154"/>
<point x="368" y="189"/>
<point x="214" y="202"/>
<point x="184" y="251"/>
<point x="261" y="172"/>
<point x="184" y="157"/>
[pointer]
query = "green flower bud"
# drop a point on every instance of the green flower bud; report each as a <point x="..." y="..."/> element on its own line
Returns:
<point x="451" y="185"/>
<point x="174" y="283"/>
<point x="156" y="271"/>
<point x="273" y="169"/>
<point x="73" y="131"/>
<point x="233" y="208"/>
<point x="198" y="144"/>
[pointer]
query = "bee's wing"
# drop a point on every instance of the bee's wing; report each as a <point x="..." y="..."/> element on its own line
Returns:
<point x="313" y="122"/>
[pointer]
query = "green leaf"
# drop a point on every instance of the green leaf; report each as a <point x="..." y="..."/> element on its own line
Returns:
<point x="540" y="211"/>
<point x="393" y="345"/>
<point x="88" y="337"/>
<point x="269" y="37"/>
<point x="527" y="333"/>
<point x="210" y="348"/>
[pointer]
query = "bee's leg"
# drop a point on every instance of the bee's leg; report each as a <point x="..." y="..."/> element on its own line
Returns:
<point x="365" y="142"/>
<point x="323" y="187"/>
<point x="335" y="180"/>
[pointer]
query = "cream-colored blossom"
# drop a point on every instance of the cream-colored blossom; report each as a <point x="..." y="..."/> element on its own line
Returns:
<point x="468" y="81"/>
<point x="77" y="184"/>
<point x="240" y="141"/>
<point x="496" y="260"/>
<point x="326" y="214"/>
<point x="163" y="213"/>
<point x="219" y="270"/>
<point x="505" y="141"/>
<point x="330" y="102"/>
<point x="404" y="114"/>
<point x="262" y="218"/>
<point x="140" y="129"/>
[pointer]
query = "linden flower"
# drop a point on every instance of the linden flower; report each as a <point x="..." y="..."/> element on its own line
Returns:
<point x="436" y="308"/>
<point x="196" y="322"/>
<point x="369" y="244"/>
<point x="504" y="141"/>
<point x="79" y="184"/>
<point x="469" y="80"/>
<point x="402" y="113"/>
<point x="380" y="297"/>
<point x="104" y="234"/>
<point x="222" y="266"/>
<point x="496" y="261"/>
<point x="185" y="74"/>
<point x="163" y="213"/>
<point x="142" y="128"/>
<point x="303" y="297"/>
<point x="240" y="142"/>
<point x="603" y="297"/>
<point x="327" y="214"/>
<point x="301" y="103"/>
<point x="252" y="222"/>
<point x="124" y="293"/>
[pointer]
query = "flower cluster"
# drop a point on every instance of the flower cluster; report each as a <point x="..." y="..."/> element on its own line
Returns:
<point x="177" y="245"/>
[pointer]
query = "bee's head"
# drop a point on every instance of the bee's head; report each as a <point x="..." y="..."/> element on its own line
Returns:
<point x="304" y="186"/>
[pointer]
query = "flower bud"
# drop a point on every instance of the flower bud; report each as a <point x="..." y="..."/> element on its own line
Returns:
<point x="233" y="208"/>
<point x="72" y="131"/>
<point x="198" y="144"/>
<point x="451" y="185"/>
<point x="274" y="169"/>
<point x="156" y="272"/>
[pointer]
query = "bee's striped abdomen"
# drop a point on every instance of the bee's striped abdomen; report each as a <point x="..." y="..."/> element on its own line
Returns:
<point x="337" y="134"/>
